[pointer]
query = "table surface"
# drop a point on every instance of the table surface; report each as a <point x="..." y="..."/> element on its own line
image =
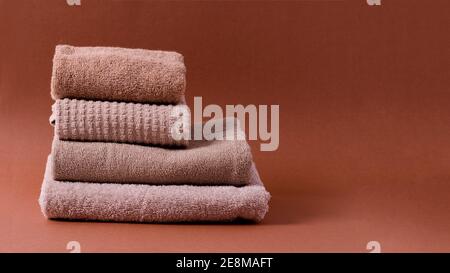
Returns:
<point x="364" y="149"/>
<point x="401" y="218"/>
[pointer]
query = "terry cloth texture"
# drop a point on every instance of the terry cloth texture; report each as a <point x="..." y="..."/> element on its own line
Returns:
<point x="118" y="74"/>
<point x="214" y="162"/>
<point x="150" y="203"/>
<point x="82" y="120"/>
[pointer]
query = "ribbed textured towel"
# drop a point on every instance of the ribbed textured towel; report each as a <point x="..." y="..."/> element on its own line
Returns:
<point x="120" y="122"/>
<point x="215" y="162"/>
<point x="149" y="203"/>
<point x="118" y="74"/>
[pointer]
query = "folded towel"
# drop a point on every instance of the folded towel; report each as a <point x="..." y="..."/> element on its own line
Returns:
<point x="118" y="74"/>
<point x="120" y="122"/>
<point x="203" y="162"/>
<point x="150" y="203"/>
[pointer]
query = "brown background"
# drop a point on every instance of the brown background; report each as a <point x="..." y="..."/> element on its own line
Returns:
<point x="364" y="106"/>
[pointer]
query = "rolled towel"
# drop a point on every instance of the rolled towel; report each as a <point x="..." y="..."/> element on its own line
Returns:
<point x="212" y="162"/>
<point x="121" y="122"/>
<point x="150" y="203"/>
<point x="118" y="74"/>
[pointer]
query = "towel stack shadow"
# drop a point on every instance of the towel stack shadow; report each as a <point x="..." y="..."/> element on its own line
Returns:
<point x="121" y="149"/>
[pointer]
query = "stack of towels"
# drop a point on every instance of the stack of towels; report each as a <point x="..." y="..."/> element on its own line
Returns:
<point x="121" y="149"/>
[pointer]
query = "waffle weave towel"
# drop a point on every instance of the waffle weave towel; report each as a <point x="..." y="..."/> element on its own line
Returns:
<point x="82" y="120"/>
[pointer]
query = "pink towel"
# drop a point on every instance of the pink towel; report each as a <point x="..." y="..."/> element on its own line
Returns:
<point x="150" y="203"/>
<point x="203" y="162"/>
<point x="82" y="120"/>
<point x="118" y="74"/>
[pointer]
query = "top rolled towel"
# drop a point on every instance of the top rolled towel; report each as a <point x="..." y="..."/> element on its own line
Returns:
<point x="118" y="74"/>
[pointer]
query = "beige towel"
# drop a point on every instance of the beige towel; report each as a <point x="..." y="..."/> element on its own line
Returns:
<point x="82" y="120"/>
<point x="203" y="162"/>
<point x="118" y="74"/>
<point x="149" y="203"/>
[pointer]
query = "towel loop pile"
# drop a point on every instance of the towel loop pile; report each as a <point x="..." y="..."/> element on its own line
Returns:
<point x="120" y="151"/>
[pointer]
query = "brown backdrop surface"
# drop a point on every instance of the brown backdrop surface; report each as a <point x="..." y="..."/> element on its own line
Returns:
<point x="364" y="107"/>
